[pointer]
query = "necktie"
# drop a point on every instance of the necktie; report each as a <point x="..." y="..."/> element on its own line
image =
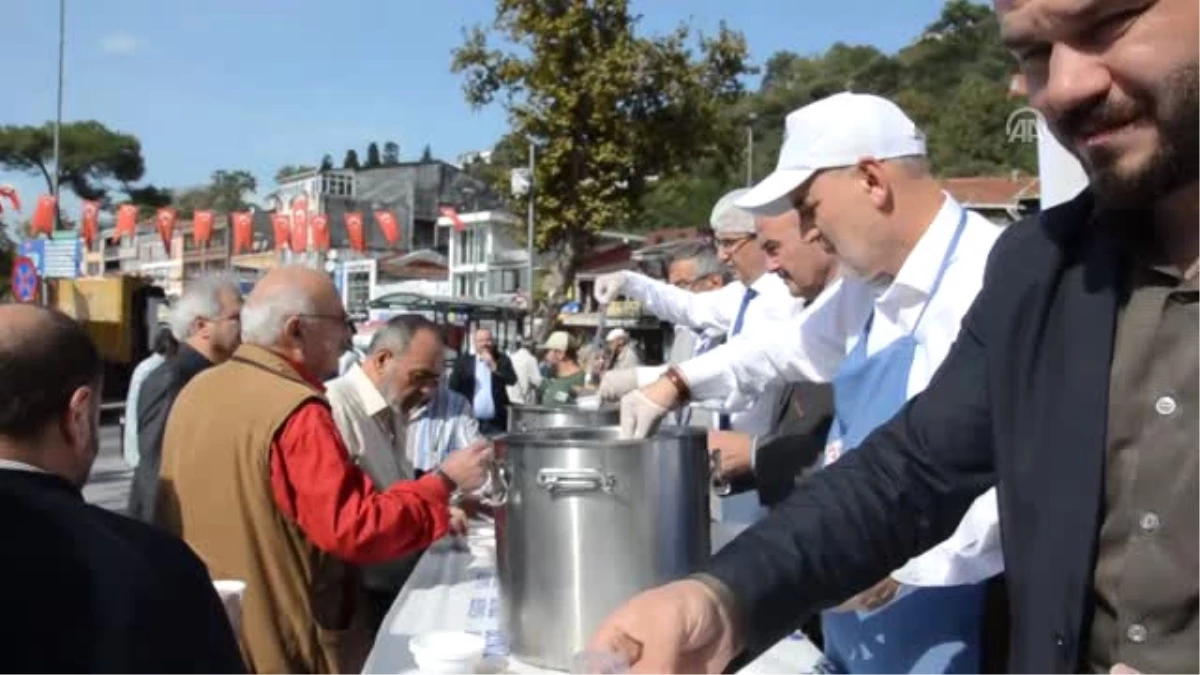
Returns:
<point x="723" y="420"/>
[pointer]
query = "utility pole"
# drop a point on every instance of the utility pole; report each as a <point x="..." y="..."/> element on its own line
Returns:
<point x="750" y="150"/>
<point x="529" y="226"/>
<point x="62" y="39"/>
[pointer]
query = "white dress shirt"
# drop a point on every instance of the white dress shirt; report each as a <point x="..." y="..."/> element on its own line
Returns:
<point x="812" y="347"/>
<point x="715" y="312"/>
<point x="374" y="434"/>
<point x="136" y="380"/>
<point x="529" y="378"/>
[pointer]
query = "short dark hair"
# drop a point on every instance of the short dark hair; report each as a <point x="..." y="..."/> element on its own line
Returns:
<point x="165" y="343"/>
<point x="40" y="371"/>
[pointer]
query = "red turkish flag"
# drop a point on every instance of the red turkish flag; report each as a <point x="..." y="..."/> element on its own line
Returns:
<point x="299" y="231"/>
<point x="450" y="213"/>
<point x="354" y="230"/>
<point x="10" y="193"/>
<point x="126" y="220"/>
<point x="164" y="222"/>
<point x="202" y="226"/>
<point x="282" y="225"/>
<point x="43" y="215"/>
<point x="389" y="226"/>
<point x="320" y="232"/>
<point x="89" y="222"/>
<point x="243" y="231"/>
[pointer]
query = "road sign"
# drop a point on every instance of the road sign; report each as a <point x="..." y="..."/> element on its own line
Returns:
<point x="35" y="250"/>
<point x="63" y="253"/>
<point x="25" y="281"/>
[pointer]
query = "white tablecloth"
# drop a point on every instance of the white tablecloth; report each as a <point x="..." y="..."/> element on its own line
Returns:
<point x="454" y="587"/>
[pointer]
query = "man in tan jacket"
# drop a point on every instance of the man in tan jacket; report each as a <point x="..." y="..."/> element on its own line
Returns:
<point x="256" y="478"/>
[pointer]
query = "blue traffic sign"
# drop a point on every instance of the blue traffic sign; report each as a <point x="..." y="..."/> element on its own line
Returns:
<point x="25" y="279"/>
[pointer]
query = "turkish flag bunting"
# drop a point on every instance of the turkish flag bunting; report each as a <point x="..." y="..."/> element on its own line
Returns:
<point x="164" y="222"/>
<point x="202" y="227"/>
<point x="43" y="215"/>
<point x="354" y="230"/>
<point x="389" y="226"/>
<point x="282" y="225"/>
<point x="243" y="231"/>
<point x="126" y="220"/>
<point x="320" y="231"/>
<point x="89" y="222"/>
<point x="10" y="193"/>
<point x="299" y="231"/>
<point x="450" y="213"/>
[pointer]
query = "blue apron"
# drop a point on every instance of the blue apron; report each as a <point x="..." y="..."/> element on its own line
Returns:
<point x="923" y="630"/>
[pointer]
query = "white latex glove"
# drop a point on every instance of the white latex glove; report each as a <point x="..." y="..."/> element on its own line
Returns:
<point x="640" y="416"/>
<point x="616" y="383"/>
<point x="608" y="287"/>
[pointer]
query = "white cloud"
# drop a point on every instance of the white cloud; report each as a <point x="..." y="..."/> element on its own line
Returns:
<point x="121" y="43"/>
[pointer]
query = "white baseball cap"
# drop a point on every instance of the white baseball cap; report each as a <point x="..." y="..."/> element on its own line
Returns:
<point x="559" y="340"/>
<point x="616" y="334"/>
<point x="836" y="131"/>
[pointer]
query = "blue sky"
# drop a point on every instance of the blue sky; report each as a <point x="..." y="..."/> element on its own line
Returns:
<point x="256" y="84"/>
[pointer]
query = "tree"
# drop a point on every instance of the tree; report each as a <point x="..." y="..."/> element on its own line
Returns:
<point x="605" y="107"/>
<point x="373" y="160"/>
<point x="391" y="153"/>
<point x="95" y="160"/>
<point x="289" y="170"/>
<point x="351" y="160"/>
<point x="427" y="154"/>
<point x="225" y="192"/>
<point x="327" y="163"/>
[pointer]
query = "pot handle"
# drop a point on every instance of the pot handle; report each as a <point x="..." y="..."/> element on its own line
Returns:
<point x="575" y="480"/>
<point x="496" y="494"/>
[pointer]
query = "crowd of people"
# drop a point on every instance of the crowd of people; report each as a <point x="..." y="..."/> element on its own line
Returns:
<point x="954" y="446"/>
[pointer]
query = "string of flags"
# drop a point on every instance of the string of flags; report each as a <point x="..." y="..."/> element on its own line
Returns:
<point x="294" y="228"/>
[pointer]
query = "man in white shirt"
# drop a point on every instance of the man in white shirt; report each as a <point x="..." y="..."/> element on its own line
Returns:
<point x="371" y="404"/>
<point x="758" y="302"/>
<point x="165" y="346"/>
<point x="693" y="267"/>
<point x="529" y="376"/>
<point x="854" y="168"/>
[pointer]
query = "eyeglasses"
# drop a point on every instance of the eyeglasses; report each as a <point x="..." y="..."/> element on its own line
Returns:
<point x="733" y="245"/>
<point x="346" y="321"/>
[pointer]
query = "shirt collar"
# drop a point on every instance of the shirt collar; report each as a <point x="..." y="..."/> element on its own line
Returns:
<point x="920" y="269"/>
<point x="304" y="373"/>
<point x="366" y="391"/>
<point x="14" y="465"/>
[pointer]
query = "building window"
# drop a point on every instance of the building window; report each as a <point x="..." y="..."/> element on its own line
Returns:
<point x="337" y="184"/>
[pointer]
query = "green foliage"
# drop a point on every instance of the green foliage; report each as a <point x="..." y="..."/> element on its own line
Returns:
<point x="427" y="154"/>
<point x="95" y="160"/>
<point x="327" y="163"/>
<point x="289" y="170"/>
<point x="605" y="107"/>
<point x="351" y="160"/>
<point x="391" y="153"/>
<point x="224" y="193"/>
<point x="373" y="159"/>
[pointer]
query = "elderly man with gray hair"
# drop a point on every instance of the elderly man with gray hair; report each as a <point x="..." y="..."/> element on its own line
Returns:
<point x="758" y="301"/>
<point x="256" y="477"/>
<point x="206" y="323"/>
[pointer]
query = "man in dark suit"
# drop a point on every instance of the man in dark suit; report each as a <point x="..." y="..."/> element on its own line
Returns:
<point x="1072" y="388"/>
<point x="85" y="590"/>
<point x="207" y="323"/>
<point x="482" y="377"/>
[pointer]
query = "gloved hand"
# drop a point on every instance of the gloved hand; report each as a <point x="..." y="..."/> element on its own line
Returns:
<point x="640" y="416"/>
<point x="616" y="383"/>
<point x="608" y="287"/>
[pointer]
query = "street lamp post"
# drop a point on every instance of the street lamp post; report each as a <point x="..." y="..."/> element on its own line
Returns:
<point x="62" y="33"/>
<point x="750" y="150"/>
<point x="529" y="229"/>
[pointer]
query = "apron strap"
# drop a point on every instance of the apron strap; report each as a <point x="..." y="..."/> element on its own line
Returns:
<point x="937" y="281"/>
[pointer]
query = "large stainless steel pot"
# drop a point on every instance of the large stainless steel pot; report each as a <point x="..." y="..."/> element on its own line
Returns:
<point x="588" y="521"/>
<point x="524" y="418"/>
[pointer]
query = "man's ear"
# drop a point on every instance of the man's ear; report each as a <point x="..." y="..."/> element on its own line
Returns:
<point x="77" y="421"/>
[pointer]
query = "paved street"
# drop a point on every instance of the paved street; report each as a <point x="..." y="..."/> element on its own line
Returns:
<point x="108" y="485"/>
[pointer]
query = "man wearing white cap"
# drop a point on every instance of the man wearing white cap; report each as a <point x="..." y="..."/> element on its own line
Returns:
<point x="568" y="378"/>
<point x="854" y="167"/>
<point x="621" y="355"/>
<point x="756" y="303"/>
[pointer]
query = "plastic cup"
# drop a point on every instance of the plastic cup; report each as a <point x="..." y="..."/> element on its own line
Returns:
<point x="231" y="592"/>
<point x="590" y="662"/>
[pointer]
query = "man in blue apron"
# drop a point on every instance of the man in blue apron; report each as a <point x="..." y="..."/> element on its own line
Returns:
<point x="854" y="168"/>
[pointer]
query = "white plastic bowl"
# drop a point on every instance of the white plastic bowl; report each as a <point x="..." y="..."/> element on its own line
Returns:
<point x="447" y="652"/>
